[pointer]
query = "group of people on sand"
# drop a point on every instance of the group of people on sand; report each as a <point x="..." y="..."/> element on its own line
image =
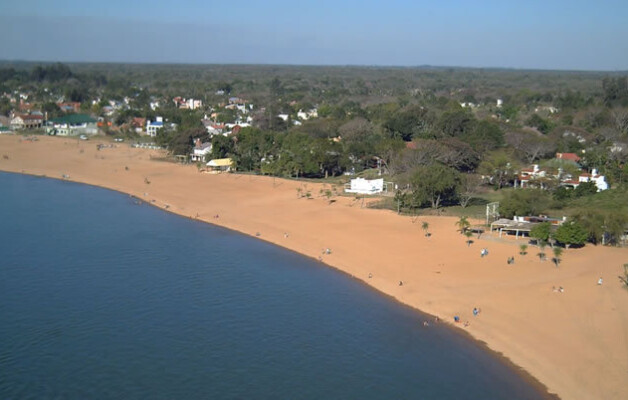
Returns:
<point x="484" y="252"/>
<point x="559" y="289"/>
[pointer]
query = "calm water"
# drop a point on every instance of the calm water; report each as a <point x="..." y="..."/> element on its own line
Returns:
<point x="101" y="298"/>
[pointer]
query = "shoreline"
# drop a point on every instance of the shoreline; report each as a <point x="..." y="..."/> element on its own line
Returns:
<point x="442" y="293"/>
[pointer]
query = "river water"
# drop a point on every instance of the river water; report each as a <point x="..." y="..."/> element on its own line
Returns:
<point x="102" y="298"/>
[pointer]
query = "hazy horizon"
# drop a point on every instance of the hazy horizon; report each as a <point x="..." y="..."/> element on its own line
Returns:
<point x="561" y="35"/>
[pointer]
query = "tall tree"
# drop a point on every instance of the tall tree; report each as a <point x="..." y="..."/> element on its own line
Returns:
<point x="434" y="184"/>
<point x="570" y="233"/>
<point x="499" y="167"/>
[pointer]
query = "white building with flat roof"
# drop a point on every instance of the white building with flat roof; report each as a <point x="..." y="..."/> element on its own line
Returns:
<point x="366" y="186"/>
<point x="153" y="126"/>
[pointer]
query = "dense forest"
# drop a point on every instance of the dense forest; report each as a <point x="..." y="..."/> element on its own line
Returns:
<point x="446" y="136"/>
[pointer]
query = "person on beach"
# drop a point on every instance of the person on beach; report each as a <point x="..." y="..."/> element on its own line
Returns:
<point x="400" y="283"/>
<point x="600" y="281"/>
<point x="476" y="312"/>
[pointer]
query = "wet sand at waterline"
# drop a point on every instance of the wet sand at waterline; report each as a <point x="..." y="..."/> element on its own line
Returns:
<point x="574" y="342"/>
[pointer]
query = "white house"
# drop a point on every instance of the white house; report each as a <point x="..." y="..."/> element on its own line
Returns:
<point x="194" y="104"/>
<point x="365" y="186"/>
<point x="305" y="115"/>
<point x="153" y="126"/>
<point x="201" y="150"/>
<point x="599" y="180"/>
<point x="528" y="174"/>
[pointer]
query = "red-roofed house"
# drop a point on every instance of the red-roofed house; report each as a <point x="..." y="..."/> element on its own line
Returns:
<point x="138" y="123"/>
<point x="568" y="156"/>
<point x="599" y="180"/>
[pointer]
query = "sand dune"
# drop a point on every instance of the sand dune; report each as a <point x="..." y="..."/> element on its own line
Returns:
<point x="575" y="342"/>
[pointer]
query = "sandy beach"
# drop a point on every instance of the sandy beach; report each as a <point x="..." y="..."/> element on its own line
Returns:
<point x="575" y="342"/>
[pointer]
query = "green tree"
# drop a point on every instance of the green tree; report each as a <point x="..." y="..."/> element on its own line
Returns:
<point x="508" y="112"/>
<point x="539" y="123"/>
<point x="222" y="146"/>
<point x="558" y="251"/>
<point x="410" y="122"/>
<point x="523" y="202"/>
<point x="541" y="232"/>
<point x="624" y="279"/>
<point x="593" y="223"/>
<point x="426" y="226"/>
<point x="542" y="244"/>
<point x="562" y="193"/>
<point x="276" y="88"/>
<point x="456" y="123"/>
<point x="615" y="90"/>
<point x="468" y="235"/>
<point x="499" y="167"/>
<point x="463" y="224"/>
<point x="434" y="184"/>
<point x="585" y="189"/>
<point x="484" y="136"/>
<point x="5" y="106"/>
<point x="571" y="233"/>
<point x="523" y="249"/>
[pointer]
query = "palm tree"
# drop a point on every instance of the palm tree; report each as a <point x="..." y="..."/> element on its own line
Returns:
<point x="558" y="251"/>
<point x="463" y="224"/>
<point x="624" y="278"/>
<point x="468" y="234"/>
<point x="542" y="244"/>
<point x="523" y="249"/>
<point x="425" y="226"/>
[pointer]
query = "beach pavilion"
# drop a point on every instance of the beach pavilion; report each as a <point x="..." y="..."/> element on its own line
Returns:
<point x="510" y="226"/>
<point x="220" y="165"/>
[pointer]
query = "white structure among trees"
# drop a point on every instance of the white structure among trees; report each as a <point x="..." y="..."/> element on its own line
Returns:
<point x="365" y="186"/>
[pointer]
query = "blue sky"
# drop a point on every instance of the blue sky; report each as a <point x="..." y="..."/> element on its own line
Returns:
<point x="550" y="34"/>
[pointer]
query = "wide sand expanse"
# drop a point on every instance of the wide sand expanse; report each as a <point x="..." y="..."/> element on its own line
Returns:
<point x="574" y="342"/>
